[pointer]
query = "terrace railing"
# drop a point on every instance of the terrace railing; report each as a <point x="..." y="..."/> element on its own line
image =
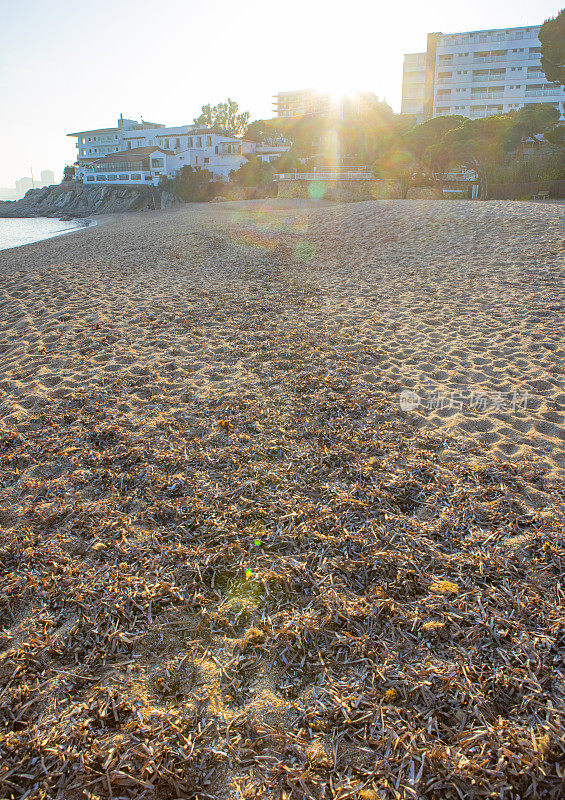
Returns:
<point x="353" y="174"/>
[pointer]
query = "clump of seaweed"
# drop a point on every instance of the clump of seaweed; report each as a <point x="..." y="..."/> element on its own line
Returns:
<point x="304" y="600"/>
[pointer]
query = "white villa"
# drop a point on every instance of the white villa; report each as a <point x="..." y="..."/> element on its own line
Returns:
<point x="142" y="152"/>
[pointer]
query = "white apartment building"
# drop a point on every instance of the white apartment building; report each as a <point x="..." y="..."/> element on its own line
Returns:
<point x="413" y="85"/>
<point x="315" y="103"/>
<point x="476" y="74"/>
<point x="143" y="152"/>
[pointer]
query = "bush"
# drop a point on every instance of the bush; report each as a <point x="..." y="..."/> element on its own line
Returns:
<point x="193" y="185"/>
<point x="539" y="165"/>
<point x="253" y="173"/>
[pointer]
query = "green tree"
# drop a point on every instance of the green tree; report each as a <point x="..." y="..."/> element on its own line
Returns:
<point x="306" y="135"/>
<point x="224" y="117"/>
<point x="477" y="144"/>
<point x="360" y="135"/>
<point x="329" y="140"/>
<point x="424" y="142"/>
<point x="69" y="173"/>
<point x="552" y="38"/>
<point x="528" y="122"/>
<point x="483" y="144"/>
<point x="396" y="162"/>
<point x="422" y="138"/>
<point x="262" y="131"/>
<point x="192" y="185"/>
<point x="253" y="172"/>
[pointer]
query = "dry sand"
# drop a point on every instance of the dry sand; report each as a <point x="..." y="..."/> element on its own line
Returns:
<point x="199" y="411"/>
<point x="461" y="303"/>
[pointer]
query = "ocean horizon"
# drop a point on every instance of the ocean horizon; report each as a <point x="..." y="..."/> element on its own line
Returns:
<point x="26" y="230"/>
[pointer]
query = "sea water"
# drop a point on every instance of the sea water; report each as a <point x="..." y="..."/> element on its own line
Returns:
<point x="15" y="232"/>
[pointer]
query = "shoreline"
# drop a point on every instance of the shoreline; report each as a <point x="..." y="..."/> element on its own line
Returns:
<point x="81" y="224"/>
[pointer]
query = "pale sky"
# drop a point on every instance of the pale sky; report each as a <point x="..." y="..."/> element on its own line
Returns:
<point x="68" y="65"/>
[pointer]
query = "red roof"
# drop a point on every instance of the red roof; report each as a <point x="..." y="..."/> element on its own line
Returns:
<point x="135" y="154"/>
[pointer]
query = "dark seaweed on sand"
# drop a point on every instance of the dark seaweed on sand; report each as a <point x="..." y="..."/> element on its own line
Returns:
<point x="303" y="597"/>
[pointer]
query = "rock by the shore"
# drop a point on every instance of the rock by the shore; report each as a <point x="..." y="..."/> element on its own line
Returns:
<point x="71" y="200"/>
<point x="169" y="200"/>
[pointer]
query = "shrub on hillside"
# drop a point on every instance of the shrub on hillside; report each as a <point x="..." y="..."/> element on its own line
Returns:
<point x="193" y="185"/>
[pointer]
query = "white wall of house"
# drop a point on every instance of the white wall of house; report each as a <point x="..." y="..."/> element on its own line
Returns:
<point x="120" y="178"/>
<point x="191" y="145"/>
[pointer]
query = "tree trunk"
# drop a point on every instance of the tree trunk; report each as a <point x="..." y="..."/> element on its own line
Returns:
<point x="404" y="186"/>
<point x="483" y="185"/>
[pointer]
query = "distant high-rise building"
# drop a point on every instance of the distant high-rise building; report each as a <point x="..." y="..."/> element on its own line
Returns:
<point x="476" y="74"/>
<point x="22" y="186"/>
<point x="313" y="103"/>
<point x="47" y="177"/>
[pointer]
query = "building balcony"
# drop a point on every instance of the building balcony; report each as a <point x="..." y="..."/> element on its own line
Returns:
<point x="489" y="78"/>
<point x="487" y="95"/>
<point x="508" y="57"/>
<point x="487" y="59"/>
<point x="545" y="92"/>
<point x="477" y="113"/>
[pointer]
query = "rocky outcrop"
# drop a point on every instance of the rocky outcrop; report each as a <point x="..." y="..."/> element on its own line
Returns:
<point x="168" y="200"/>
<point x="70" y="200"/>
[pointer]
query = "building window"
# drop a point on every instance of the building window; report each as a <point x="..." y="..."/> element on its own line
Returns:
<point x="157" y="162"/>
<point x="177" y="143"/>
<point x="166" y="144"/>
<point x="100" y="177"/>
<point x="190" y="141"/>
<point x="208" y="141"/>
<point x="90" y="178"/>
<point x="199" y="141"/>
<point x="124" y="177"/>
<point x="148" y="178"/>
<point x="136" y="177"/>
<point x="206" y="160"/>
<point x="112" y="177"/>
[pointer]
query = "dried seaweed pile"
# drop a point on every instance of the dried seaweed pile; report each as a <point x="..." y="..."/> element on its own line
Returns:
<point x="296" y="597"/>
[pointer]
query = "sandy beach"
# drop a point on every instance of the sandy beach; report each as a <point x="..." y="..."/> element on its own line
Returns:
<point x="282" y="494"/>
<point x="447" y="300"/>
